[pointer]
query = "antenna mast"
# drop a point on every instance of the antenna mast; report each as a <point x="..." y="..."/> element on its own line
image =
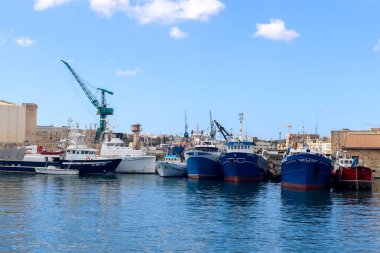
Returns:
<point x="241" y="119"/>
<point x="186" y="134"/>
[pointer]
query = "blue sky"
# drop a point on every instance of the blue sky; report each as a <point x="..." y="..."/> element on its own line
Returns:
<point x="279" y="62"/>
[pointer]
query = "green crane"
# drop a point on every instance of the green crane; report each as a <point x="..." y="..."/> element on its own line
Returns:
<point x="103" y="110"/>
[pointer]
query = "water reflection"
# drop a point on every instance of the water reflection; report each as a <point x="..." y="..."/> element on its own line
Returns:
<point x="315" y="198"/>
<point x="241" y="194"/>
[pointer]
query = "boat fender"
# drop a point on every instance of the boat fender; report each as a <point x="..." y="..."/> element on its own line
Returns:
<point x="88" y="158"/>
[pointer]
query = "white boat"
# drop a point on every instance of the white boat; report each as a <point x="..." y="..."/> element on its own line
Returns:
<point x="133" y="161"/>
<point x="56" y="171"/>
<point x="172" y="166"/>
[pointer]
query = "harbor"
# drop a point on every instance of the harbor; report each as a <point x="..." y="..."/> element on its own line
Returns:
<point x="189" y="126"/>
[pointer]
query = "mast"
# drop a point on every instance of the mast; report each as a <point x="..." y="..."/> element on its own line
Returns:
<point x="186" y="134"/>
<point x="241" y="119"/>
<point x="212" y="128"/>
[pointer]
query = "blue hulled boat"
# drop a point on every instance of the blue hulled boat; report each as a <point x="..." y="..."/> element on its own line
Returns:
<point x="203" y="161"/>
<point x="304" y="170"/>
<point x="241" y="164"/>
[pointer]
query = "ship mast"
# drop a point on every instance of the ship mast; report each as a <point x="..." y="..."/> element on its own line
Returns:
<point x="241" y="119"/>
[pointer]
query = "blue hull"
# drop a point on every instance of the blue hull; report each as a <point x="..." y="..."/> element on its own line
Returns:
<point x="306" y="172"/>
<point x="83" y="166"/>
<point x="243" y="167"/>
<point x="203" y="168"/>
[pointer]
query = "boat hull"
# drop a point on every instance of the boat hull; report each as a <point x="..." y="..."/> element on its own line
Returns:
<point x="137" y="165"/>
<point x="166" y="169"/>
<point x="244" y="167"/>
<point x="359" y="178"/>
<point x="306" y="172"/>
<point x="20" y="166"/>
<point x="56" y="171"/>
<point x="83" y="166"/>
<point x="203" y="165"/>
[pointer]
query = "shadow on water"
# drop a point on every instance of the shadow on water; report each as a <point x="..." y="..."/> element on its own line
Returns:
<point x="205" y="189"/>
<point x="348" y="197"/>
<point x="242" y="194"/>
<point x="314" y="198"/>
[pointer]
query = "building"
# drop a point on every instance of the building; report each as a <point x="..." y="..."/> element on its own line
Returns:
<point x="363" y="144"/>
<point x="18" y="125"/>
<point x="49" y="136"/>
<point x="299" y="140"/>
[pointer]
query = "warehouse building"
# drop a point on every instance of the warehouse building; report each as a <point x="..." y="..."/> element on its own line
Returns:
<point x="18" y="124"/>
<point x="363" y="144"/>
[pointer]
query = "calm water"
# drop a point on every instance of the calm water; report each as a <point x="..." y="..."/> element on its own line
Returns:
<point x="124" y="213"/>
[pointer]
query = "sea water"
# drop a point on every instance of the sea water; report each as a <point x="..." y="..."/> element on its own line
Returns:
<point x="146" y="213"/>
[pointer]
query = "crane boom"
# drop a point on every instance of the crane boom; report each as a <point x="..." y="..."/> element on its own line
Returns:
<point x="102" y="108"/>
<point x="88" y="93"/>
<point x="227" y="136"/>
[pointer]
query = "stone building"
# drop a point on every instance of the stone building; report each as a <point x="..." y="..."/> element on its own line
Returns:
<point x="49" y="136"/>
<point x="363" y="144"/>
<point x="18" y="124"/>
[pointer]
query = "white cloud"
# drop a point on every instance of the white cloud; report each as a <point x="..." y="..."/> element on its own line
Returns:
<point x="275" y="30"/>
<point x="176" y="33"/>
<point x="376" y="47"/>
<point x="169" y="11"/>
<point x="108" y="7"/>
<point x="41" y="5"/>
<point x="24" y="41"/>
<point x="130" y="72"/>
<point x="148" y="11"/>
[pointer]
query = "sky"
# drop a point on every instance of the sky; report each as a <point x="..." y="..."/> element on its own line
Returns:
<point x="314" y="65"/>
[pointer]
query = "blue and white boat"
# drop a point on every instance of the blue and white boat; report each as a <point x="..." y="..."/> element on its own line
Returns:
<point x="172" y="166"/>
<point x="303" y="169"/>
<point x="240" y="162"/>
<point x="203" y="161"/>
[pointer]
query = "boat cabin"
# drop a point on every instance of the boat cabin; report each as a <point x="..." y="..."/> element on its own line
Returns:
<point x="240" y="147"/>
<point x="80" y="154"/>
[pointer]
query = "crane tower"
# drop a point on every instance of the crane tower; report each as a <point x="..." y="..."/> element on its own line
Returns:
<point x="102" y="108"/>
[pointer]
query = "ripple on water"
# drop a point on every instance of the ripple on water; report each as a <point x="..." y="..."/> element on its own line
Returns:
<point x="147" y="213"/>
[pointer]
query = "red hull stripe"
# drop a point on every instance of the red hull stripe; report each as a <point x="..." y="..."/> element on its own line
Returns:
<point x="304" y="187"/>
<point x="196" y="176"/>
<point x="236" y="179"/>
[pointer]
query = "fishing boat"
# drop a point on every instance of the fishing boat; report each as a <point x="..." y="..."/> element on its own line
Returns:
<point x="348" y="174"/>
<point x="83" y="159"/>
<point x="303" y="169"/>
<point x="241" y="163"/>
<point x="132" y="161"/>
<point x="203" y="161"/>
<point x="56" y="171"/>
<point x="172" y="166"/>
<point x="74" y="155"/>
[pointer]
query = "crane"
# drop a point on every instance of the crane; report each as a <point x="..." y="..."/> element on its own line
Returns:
<point x="289" y="127"/>
<point x="212" y="130"/>
<point x="102" y="108"/>
<point x="227" y="136"/>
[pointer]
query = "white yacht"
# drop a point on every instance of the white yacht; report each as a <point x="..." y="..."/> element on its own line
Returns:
<point x="133" y="161"/>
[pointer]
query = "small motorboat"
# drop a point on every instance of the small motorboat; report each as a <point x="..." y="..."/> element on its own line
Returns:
<point x="56" y="171"/>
